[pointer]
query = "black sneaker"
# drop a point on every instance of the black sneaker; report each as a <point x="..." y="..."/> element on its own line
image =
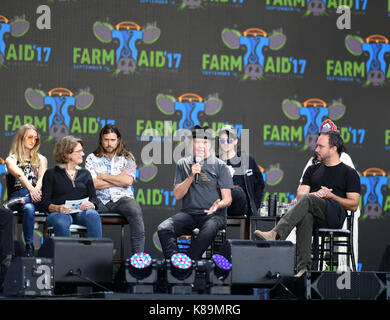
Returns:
<point x="14" y="204"/>
<point x="29" y="250"/>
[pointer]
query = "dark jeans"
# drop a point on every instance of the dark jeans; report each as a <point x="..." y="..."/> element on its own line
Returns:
<point x="6" y="233"/>
<point x="183" y="223"/>
<point x="239" y="206"/>
<point x="131" y="210"/>
<point x="28" y="209"/>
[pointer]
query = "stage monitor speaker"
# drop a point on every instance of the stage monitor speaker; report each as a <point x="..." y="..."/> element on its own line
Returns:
<point x="346" y="285"/>
<point x="261" y="263"/>
<point x="29" y="277"/>
<point x="79" y="260"/>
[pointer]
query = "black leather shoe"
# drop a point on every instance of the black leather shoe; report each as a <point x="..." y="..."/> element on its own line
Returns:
<point x="29" y="250"/>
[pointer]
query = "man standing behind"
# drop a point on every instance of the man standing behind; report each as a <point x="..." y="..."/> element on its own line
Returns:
<point x="113" y="170"/>
<point x="204" y="184"/>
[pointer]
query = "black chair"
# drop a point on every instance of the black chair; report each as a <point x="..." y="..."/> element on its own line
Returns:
<point x="239" y="221"/>
<point x="330" y="239"/>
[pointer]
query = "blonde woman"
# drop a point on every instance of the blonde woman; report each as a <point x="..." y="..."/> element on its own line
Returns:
<point x="26" y="167"/>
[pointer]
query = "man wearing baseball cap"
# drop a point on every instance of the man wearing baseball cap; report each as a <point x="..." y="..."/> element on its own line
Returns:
<point x="204" y="184"/>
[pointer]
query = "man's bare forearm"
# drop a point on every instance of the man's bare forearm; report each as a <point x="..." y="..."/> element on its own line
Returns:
<point x="120" y="180"/>
<point x="181" y="189"/>
<point x="347" y="203"/>
<point x="102" y="184"/>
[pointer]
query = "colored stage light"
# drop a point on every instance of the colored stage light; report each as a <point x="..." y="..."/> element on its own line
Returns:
<point x="139" y="274"/>
<point x="181" y="261"/>
<point x="141" y="260"/>
<point x="181" y="265"/>
<point x="140" y="265"/>
<point x="220" y="278"/>
<point x="222" y="266"/>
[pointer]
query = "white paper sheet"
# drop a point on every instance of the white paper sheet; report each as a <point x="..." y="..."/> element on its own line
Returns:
<point x="74" y="205"/>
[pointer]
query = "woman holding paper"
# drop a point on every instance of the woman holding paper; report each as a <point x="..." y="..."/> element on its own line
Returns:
<point x="68" y="192"/>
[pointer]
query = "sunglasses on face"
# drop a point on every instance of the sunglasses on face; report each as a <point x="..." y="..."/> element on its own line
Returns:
<point x="32" y="138"/>
<point x="228" y="141"/>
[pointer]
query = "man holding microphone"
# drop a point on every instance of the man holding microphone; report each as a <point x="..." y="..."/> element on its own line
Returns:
<point x="203" y="183"/>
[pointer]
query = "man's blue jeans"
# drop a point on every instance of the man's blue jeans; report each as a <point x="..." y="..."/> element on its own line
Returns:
<point x="28" y="210"/>
<point x="61" y="223"/>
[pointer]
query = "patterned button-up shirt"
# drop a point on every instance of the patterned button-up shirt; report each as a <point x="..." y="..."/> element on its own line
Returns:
<point x="115" y="166"/>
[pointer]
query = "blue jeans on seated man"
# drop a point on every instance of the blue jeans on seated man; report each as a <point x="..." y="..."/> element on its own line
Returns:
<point x="61" y="223"/>
<point x="28" y="209"/>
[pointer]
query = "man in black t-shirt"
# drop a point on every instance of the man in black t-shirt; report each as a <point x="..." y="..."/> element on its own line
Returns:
<point x="204" y="184"/>
<point x="328" y="189"/>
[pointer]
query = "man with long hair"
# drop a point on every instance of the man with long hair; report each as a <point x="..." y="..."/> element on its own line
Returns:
<point x="26" y="167"/>
<point x="113" y="169"/>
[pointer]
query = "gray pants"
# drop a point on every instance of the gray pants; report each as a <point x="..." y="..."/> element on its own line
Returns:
<point x="307" y="211"/>
<point x="131" y="210"/>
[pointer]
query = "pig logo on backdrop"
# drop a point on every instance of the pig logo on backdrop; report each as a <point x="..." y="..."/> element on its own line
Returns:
<point x="189" y="106"/>
<point x="377" y="47"/>
<point x="255" y="41"/>
<point x="129" y="35"/>
<point x="314" y="111"/>
<point x="60" y="102"/>
<point x="371" y="68"/>
<point x="16" y="28"/>
<point x="374" y="181"/>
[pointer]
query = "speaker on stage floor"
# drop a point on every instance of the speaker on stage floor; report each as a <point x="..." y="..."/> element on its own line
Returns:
<point x="346" y="285"/>
<point x="261" y="263"/>
<point x="29" y="277"/>
<point x="79" y="260"/>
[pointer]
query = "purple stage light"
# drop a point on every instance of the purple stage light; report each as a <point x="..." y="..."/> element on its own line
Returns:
<point x="222" y="262"/>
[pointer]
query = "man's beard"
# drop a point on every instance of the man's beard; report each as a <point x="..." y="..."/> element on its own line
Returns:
<point x="110" y="150"/>
<point x="322" y="159"/>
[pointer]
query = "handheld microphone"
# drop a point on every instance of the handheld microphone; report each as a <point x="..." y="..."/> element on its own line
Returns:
<point x="197" y="160"/>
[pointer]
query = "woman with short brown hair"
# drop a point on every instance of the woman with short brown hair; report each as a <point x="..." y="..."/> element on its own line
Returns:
<point x="68" y="181"/>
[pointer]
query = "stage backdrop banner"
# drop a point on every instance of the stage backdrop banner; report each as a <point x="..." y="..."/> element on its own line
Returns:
<point x="156" y="68"/>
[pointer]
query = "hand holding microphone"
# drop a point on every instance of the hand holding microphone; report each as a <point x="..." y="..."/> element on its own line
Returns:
<point x="196" y="168"/>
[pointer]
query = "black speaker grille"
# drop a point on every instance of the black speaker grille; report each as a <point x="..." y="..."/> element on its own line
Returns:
<point x="359" y="285"/>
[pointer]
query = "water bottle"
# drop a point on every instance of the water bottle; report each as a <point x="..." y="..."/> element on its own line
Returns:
<point x="272" y="205"/>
